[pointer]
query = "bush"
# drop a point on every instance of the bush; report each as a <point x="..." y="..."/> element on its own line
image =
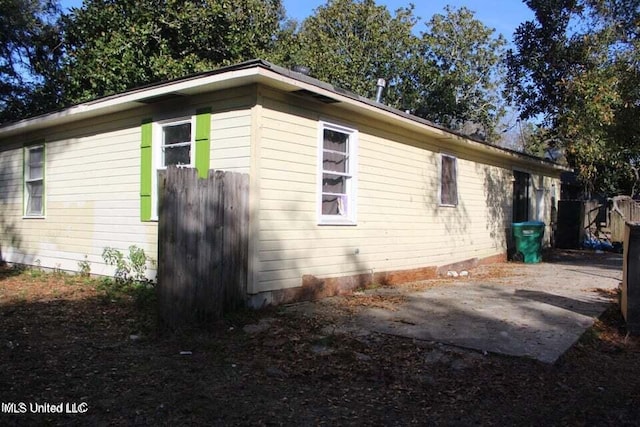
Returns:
<point x="130" y="275"/>
<point x="129" y="270"/>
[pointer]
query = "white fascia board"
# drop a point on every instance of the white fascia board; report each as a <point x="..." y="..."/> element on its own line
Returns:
<point x="129" y="100"/>
<point x="398" y="118"/>
<point x="268" y="77"/>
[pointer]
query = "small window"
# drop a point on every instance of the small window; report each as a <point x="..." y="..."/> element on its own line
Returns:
<point x="448" y="181"/>
<point x="173" y="145"/>
<point x="177" y="145"/>
<point x="337" y="175"/>
<point x="34" y="181"/>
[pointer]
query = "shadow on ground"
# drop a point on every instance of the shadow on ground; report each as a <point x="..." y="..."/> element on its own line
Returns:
<point x="68" y="342"/>
<point x="531" y="310"/>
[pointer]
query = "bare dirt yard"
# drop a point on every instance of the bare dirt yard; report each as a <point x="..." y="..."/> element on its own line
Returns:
<point x="72" y="340"/>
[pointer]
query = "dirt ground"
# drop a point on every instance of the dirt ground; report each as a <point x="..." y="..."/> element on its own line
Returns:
<point x="71" y="340"/>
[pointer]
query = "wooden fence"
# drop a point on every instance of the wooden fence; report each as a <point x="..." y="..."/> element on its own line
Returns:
<point x="202" y="246"/>
<point x="622" y="209"/>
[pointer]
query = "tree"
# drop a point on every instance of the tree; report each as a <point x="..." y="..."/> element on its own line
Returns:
<point x="29" y="55"/>
<point x="114" y="45"/>
<point x="451" y="75"/>
<point x="466" y="92"/>
<point x="351" y="44"/>
<point x="577" y="67"/>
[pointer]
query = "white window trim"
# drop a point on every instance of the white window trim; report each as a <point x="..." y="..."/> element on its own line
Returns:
<point x="25" y="188"/>
<point x="455" y="163"/>
<point x="156" y="149"/>
<point x="352" y="187"/>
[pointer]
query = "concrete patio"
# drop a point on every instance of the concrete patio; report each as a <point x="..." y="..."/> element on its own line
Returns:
<point x="530" y="310"/>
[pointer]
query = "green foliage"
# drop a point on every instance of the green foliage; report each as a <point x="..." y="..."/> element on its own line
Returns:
<point x="29" y="57"/>
<point x="130" y="278"/>
<point x="451" y="75"/>
<point x="351" y="44"/>
<point x="142" y="293"/>
<point x="465" y="95"/>
<point x="576" y="65"/>
<point x="129" y="270"/>
<point x="84" y="267"/>
<point x="117" y="45"/>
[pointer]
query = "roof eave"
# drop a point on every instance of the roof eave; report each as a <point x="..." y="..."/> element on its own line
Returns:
<point x="258" y="71"/>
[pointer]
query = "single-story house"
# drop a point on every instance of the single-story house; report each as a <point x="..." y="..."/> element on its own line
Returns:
<point x="343" y="189"/>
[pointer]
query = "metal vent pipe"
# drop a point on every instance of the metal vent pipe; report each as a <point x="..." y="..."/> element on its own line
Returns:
<point x="380" y="87"/>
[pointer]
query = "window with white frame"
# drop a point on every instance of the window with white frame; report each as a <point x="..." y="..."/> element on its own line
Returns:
<point x="448" y="181"/>
<point x="173" y="145"/>
<point x="34" y="180"/>
<point x="337" y="174"/>
<point x="177" y="144"/>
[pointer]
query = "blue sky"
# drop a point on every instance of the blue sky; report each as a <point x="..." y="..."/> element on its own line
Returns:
<point x="503" y="15"/>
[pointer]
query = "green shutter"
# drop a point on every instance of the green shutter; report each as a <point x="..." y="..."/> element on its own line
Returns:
<point x="203" y="144"/>
<point x="146" y="170"/>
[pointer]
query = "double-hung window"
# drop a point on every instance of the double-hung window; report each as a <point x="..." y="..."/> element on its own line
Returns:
<point x="337" y="174"/>
<point x="182" y="142"/>
<point x="174" y="145"/>
<point x="177" y="144"/>
<point x="448" y="181"/>
<point x="34" y="180"/>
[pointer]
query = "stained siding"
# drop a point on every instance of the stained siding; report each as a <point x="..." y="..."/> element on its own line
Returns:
<point x="399" y="224"/>
<point x="93" y="184"/>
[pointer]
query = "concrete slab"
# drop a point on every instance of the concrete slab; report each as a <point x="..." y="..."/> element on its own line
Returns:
<point x="537" y="310"/>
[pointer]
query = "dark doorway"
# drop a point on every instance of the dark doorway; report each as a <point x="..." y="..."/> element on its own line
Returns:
<point x="521" y="196"/>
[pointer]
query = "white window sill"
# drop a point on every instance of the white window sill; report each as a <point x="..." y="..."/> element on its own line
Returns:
<point x="34" y="217"/>
<point x="442" y="205"/>
<point x="342" y="222"/>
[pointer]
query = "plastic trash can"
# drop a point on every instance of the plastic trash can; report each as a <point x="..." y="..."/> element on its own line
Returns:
<point x="528" y="240"/>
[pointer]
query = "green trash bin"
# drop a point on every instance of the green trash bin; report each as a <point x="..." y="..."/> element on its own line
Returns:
<point x="528" y="240"/>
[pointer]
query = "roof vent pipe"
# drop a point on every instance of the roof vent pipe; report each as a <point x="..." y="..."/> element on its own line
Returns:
<point x="381" y="85"/>
<point x="302" y="69"/>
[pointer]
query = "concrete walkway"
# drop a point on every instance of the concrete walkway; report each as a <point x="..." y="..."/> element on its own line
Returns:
<point x="534" y="310"/>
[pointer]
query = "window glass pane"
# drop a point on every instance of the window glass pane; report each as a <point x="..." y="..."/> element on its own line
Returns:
<point x="336" y="141"/>
<point x="35" y="156"/>
<point x="177" y="155"/>
<point x="34" y="201"/>
<point x="449" y="193"/>
<point x="334" y="205"/>
<point x="34" y="163"/>
<point x="175" y="134"/>
<point x="334" y="184"/>
<point x="35" y="172"/>
<point x="334" y="162"/>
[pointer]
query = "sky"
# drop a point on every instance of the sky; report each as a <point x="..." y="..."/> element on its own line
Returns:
<point x="502" y="15"/>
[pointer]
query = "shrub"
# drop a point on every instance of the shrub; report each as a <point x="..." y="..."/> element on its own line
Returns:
<point x="129" y="270"/>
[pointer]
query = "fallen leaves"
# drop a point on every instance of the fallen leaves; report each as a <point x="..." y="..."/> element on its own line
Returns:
<point x="363" y="300"/>
<point x="63" y="341"/>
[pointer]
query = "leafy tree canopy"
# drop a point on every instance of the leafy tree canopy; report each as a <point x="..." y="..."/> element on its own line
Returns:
<point x="114" y="45"/>
<point x="353" y="43"/>
<point x="451" y="75"/>
<point x="577" y="66"/>
<point x="29" y="53"/>
<point x="465" y="94"/>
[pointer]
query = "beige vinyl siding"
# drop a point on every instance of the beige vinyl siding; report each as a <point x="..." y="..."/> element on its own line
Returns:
<point x="400" y="224"/>
<point x="231" y="140"/>
<point x="92" y="183"/>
